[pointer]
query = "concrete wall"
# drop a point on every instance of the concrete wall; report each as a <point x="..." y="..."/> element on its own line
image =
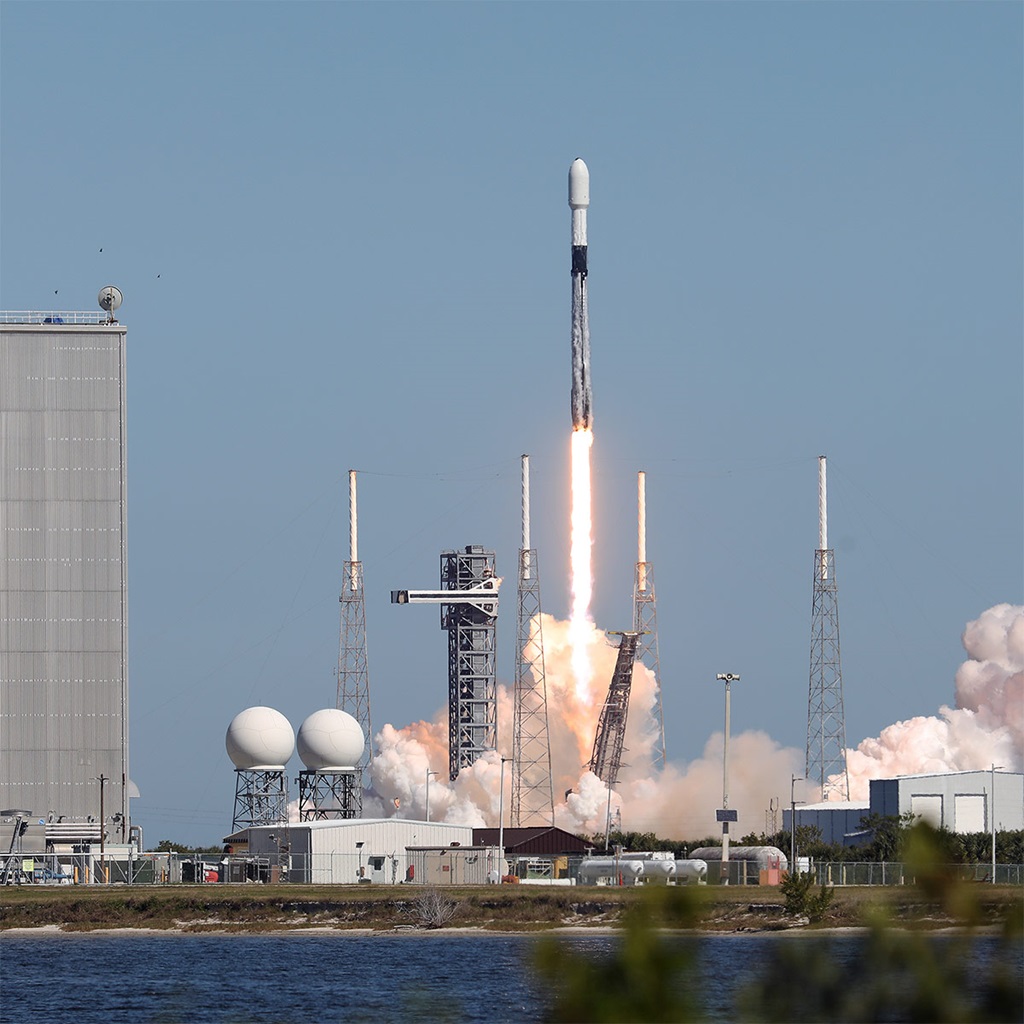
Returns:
<point x="63" y="604"/>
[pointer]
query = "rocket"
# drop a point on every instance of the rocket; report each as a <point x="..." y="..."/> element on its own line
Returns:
<point x="579" y="200"/>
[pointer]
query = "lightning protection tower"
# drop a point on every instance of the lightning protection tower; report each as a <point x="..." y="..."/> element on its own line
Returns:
<point x="645" y="618"/>
<point x="826" y="722"/>
<point x="353" y="674"/>
<point x="532" y="796"/>
<point x="469" y="610"/>
<point x="606" y="760"/>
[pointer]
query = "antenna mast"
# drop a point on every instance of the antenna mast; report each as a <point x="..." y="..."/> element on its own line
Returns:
<point x="826" y="720"/>
<point x="532" y="795"/>
<point x="353" y="674"/>
<point x="645" y="618"/>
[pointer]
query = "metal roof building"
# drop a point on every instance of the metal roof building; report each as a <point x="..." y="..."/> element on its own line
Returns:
<point x="63" y="596"/>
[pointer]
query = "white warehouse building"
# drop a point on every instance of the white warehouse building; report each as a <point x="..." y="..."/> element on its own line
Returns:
<point x="958" y="801"/>
<point x="347" y="850"/>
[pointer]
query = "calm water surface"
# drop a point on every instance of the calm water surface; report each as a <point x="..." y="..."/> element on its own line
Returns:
<point x="291" y="978"/>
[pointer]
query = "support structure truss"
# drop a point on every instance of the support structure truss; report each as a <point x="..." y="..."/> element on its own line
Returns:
<point x="261" y="797"/>
<point x="826" y="721"/>
<point x="472" y="686"/>
<point x="329" y="795"/>
<point x="532" y="794"/>
<point x="606" y="760"/>
<point x="645" y="622"/>
<point x="353" y="671"/>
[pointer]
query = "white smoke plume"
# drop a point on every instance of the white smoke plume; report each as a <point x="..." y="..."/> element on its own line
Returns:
<point x="678" y="802"/>
<point x="986" y="727"/>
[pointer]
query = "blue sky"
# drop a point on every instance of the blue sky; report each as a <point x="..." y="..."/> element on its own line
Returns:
<point x="342" y="235"/>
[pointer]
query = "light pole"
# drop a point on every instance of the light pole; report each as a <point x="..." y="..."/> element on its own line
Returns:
<point x="429" y="773"/>
<point x="992" y="818"/>
<point x="792" y="822"/>
<point x="724" y="816"/>
<point x="102" y="780"/>
<point x="501" y="819"/>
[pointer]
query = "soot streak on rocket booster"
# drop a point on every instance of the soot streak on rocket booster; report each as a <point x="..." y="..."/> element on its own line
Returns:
<point x="579" y="200"/>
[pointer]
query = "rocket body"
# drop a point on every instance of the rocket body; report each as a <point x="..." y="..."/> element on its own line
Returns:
<point x="579" y="201"/>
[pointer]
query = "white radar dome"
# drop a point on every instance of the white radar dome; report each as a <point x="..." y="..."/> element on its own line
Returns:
<point x="330" y="739"/>
<point x="260" y="738"/>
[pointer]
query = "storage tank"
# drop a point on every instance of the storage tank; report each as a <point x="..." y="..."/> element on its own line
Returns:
<point x="764" y="856"/>
<point x="660" y="872"/>
<point x="608" y="867"/>
<point x="692" y="871"/>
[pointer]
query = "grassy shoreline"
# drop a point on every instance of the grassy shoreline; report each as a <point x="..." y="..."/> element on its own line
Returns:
<point x="249" y="909"/>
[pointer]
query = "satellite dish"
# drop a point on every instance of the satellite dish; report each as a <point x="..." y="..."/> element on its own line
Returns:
<point x="110" y="298"/>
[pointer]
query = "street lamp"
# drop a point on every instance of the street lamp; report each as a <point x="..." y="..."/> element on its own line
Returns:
<point x="501" y="818"/>
<point x="792" y="822"/>
<point x="429" y="773"/>
<point x="725" y="816"/>
<point x="992" y="819"/>
<point x="102" y="780"/>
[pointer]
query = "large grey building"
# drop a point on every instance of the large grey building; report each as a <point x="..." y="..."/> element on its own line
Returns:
<point x="63" y="575"/>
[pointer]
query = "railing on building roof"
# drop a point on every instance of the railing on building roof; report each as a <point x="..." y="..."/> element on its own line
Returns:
<point x="98" y="316"/>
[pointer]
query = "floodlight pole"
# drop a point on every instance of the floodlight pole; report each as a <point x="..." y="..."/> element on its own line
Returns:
<point x="102" y="780"/>
<point x="728" y="678"/>
<point x="992" y="818"/>
<point x="501" y="819"/>
<point x="792" y="822"/>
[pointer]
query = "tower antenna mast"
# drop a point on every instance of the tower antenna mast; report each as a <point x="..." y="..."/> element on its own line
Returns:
<point x="532" y="795"/>
<point x="353" y="665"/>
<point x="645" y="618"/>
<point x="826" y="720"/>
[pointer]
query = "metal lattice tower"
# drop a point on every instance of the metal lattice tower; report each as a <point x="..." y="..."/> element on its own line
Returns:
<point x="645" y="618"/>
<point x="826" y="720"/>
<point x="330" y="795"/>
<point x="532" y="795"/>
<point x="606" y="760"/>
<point x="353" y="674"/>
<point x="261" y="797"/>
<point x="469" y="610"/>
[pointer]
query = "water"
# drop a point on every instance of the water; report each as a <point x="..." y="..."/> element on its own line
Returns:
<point x="296" y="978"/>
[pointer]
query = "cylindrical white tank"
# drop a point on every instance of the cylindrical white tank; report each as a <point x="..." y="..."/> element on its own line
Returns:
<point x="692" y="871"/>
<point x="329" y="740"/>
<point x="607" y="867"/>
<point x="658" y="871"/>
<point x="260" y="738"/>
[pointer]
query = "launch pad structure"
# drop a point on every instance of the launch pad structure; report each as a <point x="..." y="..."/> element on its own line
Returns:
<point x="469" y="610"/>
<point x="826" y="721"/>
<point x="606" y="760"/>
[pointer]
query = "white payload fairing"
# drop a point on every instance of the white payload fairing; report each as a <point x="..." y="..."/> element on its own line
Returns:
<point x="579" y="200"/>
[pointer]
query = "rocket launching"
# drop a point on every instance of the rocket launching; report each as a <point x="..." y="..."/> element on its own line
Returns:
<point x="579" y="200"/>
<point x="580" y="539"/>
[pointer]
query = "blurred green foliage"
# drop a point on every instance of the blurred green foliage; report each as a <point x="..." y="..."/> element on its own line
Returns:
<point x="902" y="975"/>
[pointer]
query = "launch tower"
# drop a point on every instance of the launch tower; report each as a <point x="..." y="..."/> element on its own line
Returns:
<point x="606" y="760"/>
<point x="353" y="673"/>
<point x="826" y="722"/>
<point x="532" y="797"/>
<point x="645" y="618"/>
<point x="469" y="610"/>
